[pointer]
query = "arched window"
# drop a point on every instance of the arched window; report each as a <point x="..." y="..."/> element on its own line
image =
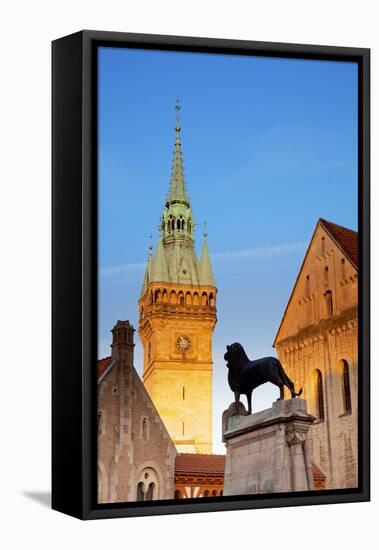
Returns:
<point x="206" y="493"/>
<point x="319" y="394"/>
<point x="328" y="298"/>
<point x="196" y="300"/>
<point x="173" y="297"/>
<point x="211" y="299"/>
<point x="178" y="224"/>
<point x="150" y="492"/>
<point x="181" y="298"/>
<point x="157" y="295"/>
<point x="140" y="491"/>
<point x="177" y="494"/>
<point x="214" y="493"/>
<point x="147" y="485"/>
<point x="188" y="299"/>
<point x="346" y="394"/>
<point x="173" y="224"/>
<point x="204" y="299"/>
<point x="183" y="224"/>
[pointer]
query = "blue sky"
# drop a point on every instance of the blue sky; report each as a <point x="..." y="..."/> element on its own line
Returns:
<point x="270" y="145"/>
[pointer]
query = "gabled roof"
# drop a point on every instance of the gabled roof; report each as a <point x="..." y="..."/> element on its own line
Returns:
<point x="102" y="365"/>
<point x="200" y="463"/>
<point x="346" y="240"/>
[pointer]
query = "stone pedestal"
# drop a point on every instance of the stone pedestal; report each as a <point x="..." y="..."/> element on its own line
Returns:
<point x="267" y="452"/>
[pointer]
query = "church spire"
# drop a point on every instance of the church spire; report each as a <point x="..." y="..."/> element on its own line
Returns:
<point x="177" y="192"/>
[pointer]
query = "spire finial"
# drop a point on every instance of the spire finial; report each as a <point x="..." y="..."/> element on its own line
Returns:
<point x="205" y="234"/>
<point x="150" y="245"/>
<point x="177" y="127"/>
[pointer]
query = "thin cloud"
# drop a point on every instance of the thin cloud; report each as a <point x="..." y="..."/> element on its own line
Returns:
<point x="267" y="252"/>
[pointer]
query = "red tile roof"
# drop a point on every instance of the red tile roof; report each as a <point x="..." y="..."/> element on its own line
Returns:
<point x="200" y="463"/>
<point x="102" y="365"/>
<point x="346" y="238"/>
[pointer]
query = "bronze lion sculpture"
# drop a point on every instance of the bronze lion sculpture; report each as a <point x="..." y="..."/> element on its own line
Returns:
<point x="245" y="375"/>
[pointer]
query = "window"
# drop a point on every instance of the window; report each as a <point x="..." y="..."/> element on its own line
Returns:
<point x="145" y="428"/>
<point x="182" y="428"/>
<point x="177" y="494"/>
<point x="147" y="485"/>
<point x="326" y="276"/>
<point x="214" y="493"/>
<point x="140" y="491"/>
<point x="328" y="303"/>
<point x="346" y="394"/>
<point x="206" y="493"/>
<point x="150" y="492"/>
<point x="319" y="394"/>
<point x="184" y="393"/>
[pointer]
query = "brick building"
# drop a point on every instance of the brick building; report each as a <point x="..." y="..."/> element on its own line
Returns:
<point x="136" y="456"/>
<point x="317" y="343"/>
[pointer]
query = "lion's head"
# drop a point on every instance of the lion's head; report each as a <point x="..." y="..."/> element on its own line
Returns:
<point x="235" y="355"/>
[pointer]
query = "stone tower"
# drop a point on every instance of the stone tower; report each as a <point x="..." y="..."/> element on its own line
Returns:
<point x="177" y="316"/>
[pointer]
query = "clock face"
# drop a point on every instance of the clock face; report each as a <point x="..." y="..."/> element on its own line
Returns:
<point x="183" y="343"/>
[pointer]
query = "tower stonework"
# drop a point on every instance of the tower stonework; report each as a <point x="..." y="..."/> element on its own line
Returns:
<point x="177" y="316"/>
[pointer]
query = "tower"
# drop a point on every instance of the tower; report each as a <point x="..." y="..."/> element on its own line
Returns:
<point x="177" y="316"/>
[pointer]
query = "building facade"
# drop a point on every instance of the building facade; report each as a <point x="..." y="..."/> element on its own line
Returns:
<point x="317" y="343"/>
<point x="136" y="456"/>
<point x="199" y="475"/>
<point x="177" y="316"/>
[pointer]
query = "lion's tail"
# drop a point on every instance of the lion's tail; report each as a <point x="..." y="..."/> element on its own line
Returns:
<point x="288" y="382"/>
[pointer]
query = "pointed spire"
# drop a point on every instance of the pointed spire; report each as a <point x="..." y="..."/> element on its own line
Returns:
<point x="206" y="276"/>
<point x="178" y="191"/>
<point x="160" y="270"/>
<point x="149" y="268"/>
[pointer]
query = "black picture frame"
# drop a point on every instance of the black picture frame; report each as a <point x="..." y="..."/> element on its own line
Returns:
<point x="74" y="272"/>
